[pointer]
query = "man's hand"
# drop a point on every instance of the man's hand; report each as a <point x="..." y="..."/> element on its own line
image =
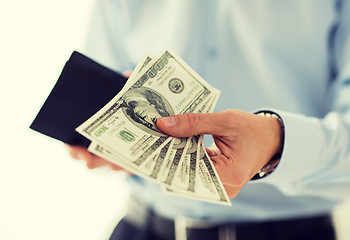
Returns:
<point x="92" y="161"/>
<point x="245" y="142"/>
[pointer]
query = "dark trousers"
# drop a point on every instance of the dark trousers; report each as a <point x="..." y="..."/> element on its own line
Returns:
<point x="320" y="228"/>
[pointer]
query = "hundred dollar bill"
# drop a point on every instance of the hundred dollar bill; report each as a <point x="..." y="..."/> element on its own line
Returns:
<point x="152" y="164"/>
<point x="150" y="168"/>
<point x="184" y="178"/>
<point x="189" y="185"/>
<point x="126" y="125"/>
<point x="208" y="183"/>
<point x="178" y="152"/>
<point x="139" y="67"/>
<point x="103" y="152"/>
<point x="172" y="160"/>
<point x="208" y="186"/>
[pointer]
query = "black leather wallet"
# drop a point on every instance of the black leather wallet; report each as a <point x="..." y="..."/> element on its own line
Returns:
<point x="82" y="89"/>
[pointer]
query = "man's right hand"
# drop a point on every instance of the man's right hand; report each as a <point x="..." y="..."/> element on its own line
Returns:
<point x="92" y="161"/>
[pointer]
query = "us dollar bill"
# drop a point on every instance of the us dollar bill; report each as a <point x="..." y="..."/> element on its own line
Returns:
<point x="197" y="177"/>
<point x="172" y="160"/>
<point x="208" y="186"/>
<point x="142" y="64"/>
<point x="126" y="125"/>
<point x="176" y="160"/>
<point x="103" y="152"/>
<point x="124" y="131"/>
<point x="149" y="169"/>
<point x="152" y="166"/>
<point x="184" y="178"/>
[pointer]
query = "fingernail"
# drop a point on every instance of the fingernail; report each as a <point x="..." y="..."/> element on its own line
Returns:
<point x="168" y="121"/>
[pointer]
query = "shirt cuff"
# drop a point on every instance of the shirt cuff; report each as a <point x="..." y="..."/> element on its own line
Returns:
<point x="301" y="151"/>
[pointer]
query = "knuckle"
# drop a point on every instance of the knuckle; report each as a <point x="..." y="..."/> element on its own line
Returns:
<point x="228" y="117"/>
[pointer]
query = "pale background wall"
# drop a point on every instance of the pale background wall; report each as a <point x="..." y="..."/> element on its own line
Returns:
<point x="44" y="194"/>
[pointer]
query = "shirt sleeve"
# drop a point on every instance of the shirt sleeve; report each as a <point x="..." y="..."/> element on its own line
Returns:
<point x="316" y="155"/>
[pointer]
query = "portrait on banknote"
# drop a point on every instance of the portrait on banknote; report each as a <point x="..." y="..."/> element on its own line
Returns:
<point x="143" y="106"/>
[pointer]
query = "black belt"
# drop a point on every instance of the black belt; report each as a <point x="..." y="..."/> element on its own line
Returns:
<point x="182" y="228"/>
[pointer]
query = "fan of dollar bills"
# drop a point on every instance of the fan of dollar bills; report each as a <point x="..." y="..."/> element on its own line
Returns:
<point x="124" y="131"/>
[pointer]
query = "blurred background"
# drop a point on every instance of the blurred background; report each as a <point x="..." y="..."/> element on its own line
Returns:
<point x="44" y="193"/>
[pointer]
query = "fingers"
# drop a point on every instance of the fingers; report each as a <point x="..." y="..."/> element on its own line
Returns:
<point x="78" y="152"/>
<point x="96" y="162"/>
<point x="231" y="173"/>
<point x="213" y="150"/>
<point x="190" y="124"/>
<point x="127" y="73"/>
<point x="92" y="161"/>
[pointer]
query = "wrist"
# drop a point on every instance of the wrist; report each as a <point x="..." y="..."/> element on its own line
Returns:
<point x="275" y="147"/>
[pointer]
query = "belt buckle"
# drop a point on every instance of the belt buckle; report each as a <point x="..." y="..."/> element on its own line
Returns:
<point x="226" y="232"/>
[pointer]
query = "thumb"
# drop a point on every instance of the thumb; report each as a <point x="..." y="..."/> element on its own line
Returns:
<point x="191" y="124"/>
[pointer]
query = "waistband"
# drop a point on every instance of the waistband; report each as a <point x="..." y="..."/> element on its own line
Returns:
<point x="183" y="228"/>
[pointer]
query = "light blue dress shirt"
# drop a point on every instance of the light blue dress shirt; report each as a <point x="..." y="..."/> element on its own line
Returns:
<point x="292" y="57"/>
